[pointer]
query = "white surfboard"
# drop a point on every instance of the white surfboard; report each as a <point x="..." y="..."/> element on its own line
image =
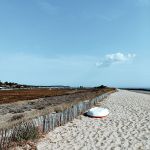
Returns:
<point x="98" y="112"/>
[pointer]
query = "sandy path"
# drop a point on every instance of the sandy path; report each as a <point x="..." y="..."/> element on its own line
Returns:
<point x="127" y="127"/>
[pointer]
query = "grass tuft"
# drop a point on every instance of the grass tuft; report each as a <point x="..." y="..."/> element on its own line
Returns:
<point x="26" y="133"/>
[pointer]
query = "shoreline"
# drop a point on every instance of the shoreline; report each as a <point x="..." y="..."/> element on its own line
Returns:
<point x="140" y="91"/>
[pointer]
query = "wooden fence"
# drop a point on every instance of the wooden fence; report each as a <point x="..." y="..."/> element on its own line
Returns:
<point x="47" y="122"/>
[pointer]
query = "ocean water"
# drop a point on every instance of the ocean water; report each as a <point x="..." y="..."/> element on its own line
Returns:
<point x="139" y="90"/>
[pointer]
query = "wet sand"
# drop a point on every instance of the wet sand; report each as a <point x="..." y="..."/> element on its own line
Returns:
<point x="127" y="127"/>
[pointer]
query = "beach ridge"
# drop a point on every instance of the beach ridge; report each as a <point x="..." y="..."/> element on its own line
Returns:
<point x="126" y="127"/>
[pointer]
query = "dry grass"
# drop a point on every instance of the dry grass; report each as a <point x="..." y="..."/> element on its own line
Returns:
<point x="8" y="96"/>
<point x="17" y="117"/>
<point x="34" y="108"/>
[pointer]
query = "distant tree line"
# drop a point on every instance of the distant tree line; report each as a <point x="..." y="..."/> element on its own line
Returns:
<point x="16" y="85"/>
<point x="11" y="85"/>
<point x="100" y="87"/>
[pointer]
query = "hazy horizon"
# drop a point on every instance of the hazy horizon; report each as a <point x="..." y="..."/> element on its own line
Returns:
<point x="73" y="43"/>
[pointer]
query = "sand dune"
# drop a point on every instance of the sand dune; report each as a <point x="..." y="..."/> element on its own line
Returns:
<point x="127" y="127"/>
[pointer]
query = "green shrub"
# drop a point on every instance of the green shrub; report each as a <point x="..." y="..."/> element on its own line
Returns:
<point x="24" y="133"/>
<point x="16" y="117"/>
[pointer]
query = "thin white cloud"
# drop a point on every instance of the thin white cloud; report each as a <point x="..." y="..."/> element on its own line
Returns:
<point x="116" y="58"/>
<point x="47" y="7"/>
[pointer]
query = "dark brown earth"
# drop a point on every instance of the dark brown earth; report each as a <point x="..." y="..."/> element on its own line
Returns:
<point x="9" y="96"/>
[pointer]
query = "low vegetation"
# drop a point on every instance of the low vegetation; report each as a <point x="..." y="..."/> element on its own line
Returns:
<point x="46" y="101"/>
<point x="9" y="96"/>
<point x="25" y="134"/>
<point x="16" y="117"/>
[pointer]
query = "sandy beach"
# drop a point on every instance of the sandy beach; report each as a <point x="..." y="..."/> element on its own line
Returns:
<point x="126" y="128"/>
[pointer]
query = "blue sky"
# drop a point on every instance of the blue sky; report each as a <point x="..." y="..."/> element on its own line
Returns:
<point x="75" y="42"/>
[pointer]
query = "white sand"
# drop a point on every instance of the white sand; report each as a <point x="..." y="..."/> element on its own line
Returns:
<point x="127" y="127"/>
